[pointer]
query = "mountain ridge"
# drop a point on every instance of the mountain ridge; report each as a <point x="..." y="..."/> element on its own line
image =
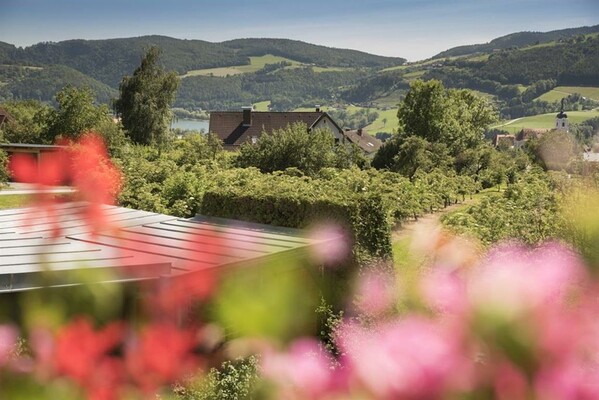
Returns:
<point x="517" y="39"/>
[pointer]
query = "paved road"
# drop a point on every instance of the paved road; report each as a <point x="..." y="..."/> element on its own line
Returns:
<point x="27" y="188"/>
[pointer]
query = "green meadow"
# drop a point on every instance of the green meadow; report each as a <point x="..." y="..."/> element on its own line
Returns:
<point x="562" y="91"/>
<point x="256" y="63"/>
<point x="544" y="121"/>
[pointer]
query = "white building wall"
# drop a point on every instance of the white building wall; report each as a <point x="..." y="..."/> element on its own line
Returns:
<point x="326" y="123"/>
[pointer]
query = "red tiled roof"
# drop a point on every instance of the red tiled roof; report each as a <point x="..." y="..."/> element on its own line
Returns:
<point x="228" y="125"/>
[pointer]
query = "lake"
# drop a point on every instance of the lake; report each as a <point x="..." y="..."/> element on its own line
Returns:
<point x="191" y="124"/>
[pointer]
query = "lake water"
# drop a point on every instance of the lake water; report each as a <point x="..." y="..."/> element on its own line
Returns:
<point x="191" y="124"/>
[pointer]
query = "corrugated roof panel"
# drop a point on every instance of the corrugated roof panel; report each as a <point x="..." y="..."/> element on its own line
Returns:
<point x="138" y="245"/>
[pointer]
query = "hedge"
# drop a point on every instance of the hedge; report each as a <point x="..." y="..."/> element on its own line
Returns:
<point x="364" y="215"/>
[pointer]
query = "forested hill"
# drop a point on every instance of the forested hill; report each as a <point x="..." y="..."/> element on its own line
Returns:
<point x="108" y="60"/>
<point x="518" y="39"/>
<point x="310" y="53"/>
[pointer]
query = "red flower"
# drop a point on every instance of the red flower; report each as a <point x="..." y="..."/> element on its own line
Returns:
<point x="162" y="354"/>
<point x="81" y="352"/>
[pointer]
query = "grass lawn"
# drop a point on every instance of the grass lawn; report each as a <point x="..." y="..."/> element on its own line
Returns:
<point x="544" y="121"/>
<point x="560" y="92"/>
<point x="14" y="200"/>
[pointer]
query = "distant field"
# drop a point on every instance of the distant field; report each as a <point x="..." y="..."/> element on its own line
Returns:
<point x="262" y="105"/>
<point x="256" y="63"/>
<point x="411" y="76"/>
<point x="545" y="121"/>
<point x="390" y="125"/>
<point x="391" y="100"/>
<point x="331" y="69"/>
<point x="322" y="108"/>
<point x="562" y="91"/>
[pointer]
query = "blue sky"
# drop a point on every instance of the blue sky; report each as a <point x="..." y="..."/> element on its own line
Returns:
<point x="406" y="28"/>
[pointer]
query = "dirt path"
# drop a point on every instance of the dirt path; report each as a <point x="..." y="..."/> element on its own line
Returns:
<point x="426" y="221"/>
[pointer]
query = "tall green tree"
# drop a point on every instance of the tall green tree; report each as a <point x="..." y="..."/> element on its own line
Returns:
<point x="456" y="118"/>
<point x="28" y="122"/>
<point x="292" y="146"/>
<point x="76" y="114"/>
<point x="145" y="101"/>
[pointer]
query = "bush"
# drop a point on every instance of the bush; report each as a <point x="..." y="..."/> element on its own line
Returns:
<point x="297" y="202"/>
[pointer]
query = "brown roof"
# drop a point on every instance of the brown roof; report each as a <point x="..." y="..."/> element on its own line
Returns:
<point x="363" y="140"/>
<point x="509" y="139"/>
<point x="228" y="125"/>
<point x="528" y="133"/>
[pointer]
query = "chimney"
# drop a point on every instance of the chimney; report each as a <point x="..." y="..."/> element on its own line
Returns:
<point x="360" y="131"/>
<point x="247" y="116"/>
<point x="318" y="108"/>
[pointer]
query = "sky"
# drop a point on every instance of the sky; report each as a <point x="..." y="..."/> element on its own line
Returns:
<point x="411" y="29"/>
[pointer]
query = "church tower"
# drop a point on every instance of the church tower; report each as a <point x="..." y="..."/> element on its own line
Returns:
<point x="561" y="120"/>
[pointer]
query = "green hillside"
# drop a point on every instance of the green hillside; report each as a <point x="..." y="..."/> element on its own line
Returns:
<point x="519" y="39"/>
<point x="521" y="79"/>
<point x="256" y="64"/>
<point x="311" y="54"/>
<point x="43" y="83"/>
<point x="560" y="92"/>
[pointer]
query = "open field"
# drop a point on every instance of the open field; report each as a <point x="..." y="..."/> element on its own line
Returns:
<point x="562" y="91"/>
<point x="412" y="76"/>
<point x="544" y="121"/>
<point x="390" y="125"/>
<point x="262" y="105"/>
<point x="256" y="63"/>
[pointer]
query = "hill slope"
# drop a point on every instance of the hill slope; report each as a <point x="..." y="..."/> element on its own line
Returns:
<point x="518" y="39"/>
<point x="310" y="53"/>
<point x="109" y="60"/>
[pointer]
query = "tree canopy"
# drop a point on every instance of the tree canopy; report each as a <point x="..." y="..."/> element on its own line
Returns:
<point x="75" y="115"/>
<point x="292" y="146"/>
<point x="145" y="100"/>
<point x="455" y="118"/>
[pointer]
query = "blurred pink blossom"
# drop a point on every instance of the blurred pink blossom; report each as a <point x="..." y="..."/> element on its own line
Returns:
<point x="331" y="244"/>
<point x="376" y="293"/>
<point x="515" y="279"/>
<point x="301" y="373"/>
<point x="8" y="341"/>
<point x="445" y="291"/>
<point x="412" y="358"/>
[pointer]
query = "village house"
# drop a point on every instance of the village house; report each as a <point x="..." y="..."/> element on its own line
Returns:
<point x="368" y="144"/>
<point x="237" y="127"/>
<point x="505" y="141"/>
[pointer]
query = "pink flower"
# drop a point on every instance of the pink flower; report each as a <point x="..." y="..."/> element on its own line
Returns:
<point x="331" y="244"/>
<point x="515" y="280"/>
<point x="301" y="373"/>
<point x="569" y="381"/>
<point x="409" y="359"/>
<point x="375" y="293"/>
<point x="8" y="341"/>
<point x="445" y="291"/>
